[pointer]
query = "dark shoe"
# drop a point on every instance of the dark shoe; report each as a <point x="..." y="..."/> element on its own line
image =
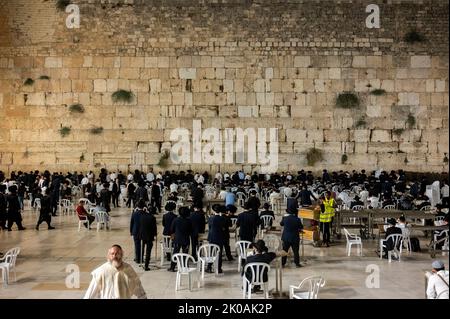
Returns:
<point x="9" y="229"/>
<point x="51" y="227"/>
<point x="23" y="228"/>
<point x="171" y="269"/>
<point x="298" y="266"/>
<point x="146" y="269"/>
<point x="328" y="245"/>
<point x="220" y="271"/>
<point x="37" y="227"/>
<point x="209" y="270"/>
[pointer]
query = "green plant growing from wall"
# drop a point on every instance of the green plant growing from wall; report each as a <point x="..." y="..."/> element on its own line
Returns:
<point x="344" y="158"/>
<point x="64" y="131"/>
<point x="164" y="159"/>
<point x="96" y="130"/>
<point x="122" y="96"/>
<point x="411" y="121"/>
<point x="82" y="158"/>
<point x="76" y="108"/>
<point x="44" y="77"/>
<point x="347" y="100"/>
<point x="62" y="4"/>
<point x="361" y="122"/>
<point x="313" y="156"/>
<point x="413" y="36"/>
<point x="28" y="82"/>
<point x="26" y="154"/>
<point x="378" y="92"/>
<point x="445" y="159"/>
<point x="398" y="131"/>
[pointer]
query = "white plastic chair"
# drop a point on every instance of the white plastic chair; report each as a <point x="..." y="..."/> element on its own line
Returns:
<point x="242" y="246"/>
<point x="66" y="207"/>
<point x="397" y="240"/>
<point x="353" y="239"/>
<point x="37" y="204"/>
<point x="166" y="247"/>
<point x="182" y="261"/>
<point x="438" y="220"/>
<point x="257" y="278"/>
<point x="8" y="264"/>
<point x="273" y="242"/>
<point x="442" y="234"/>
<point x="102" y="218"/>
<point x="241" y="198"/>
<point x="313" y="284"/>
<point x="276" y="206"/>
<point x="83" y="220"/>
<point x="233" y="225"/>
<point x="389" y="207"/>
<point x="267" y="220"/>
<point x="208" y="254"/>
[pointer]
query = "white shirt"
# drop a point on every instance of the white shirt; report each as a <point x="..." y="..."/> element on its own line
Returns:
<point x="113" y="176"/>
<point x="226" y="176"/>
<point x="85" y="181"/>
<point x="108" y="282"/>
<point x="150" y="176"/>
<point x="173" y="188"/>
<point x="436" y="285"/>
<point x="445" y="191"/>
<point x="218" y="176"/>
<point x="130" y="177"/>
<point x="222" y="194"/>
<point x="158" y="176"/>
<point x="363" y="195"/>
<point x="274" y="196"/>
<point x="200" y="179"/>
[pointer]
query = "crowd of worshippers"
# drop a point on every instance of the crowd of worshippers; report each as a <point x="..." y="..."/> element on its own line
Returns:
<point x="187" y="225"/>
<point x="106" y="189"/>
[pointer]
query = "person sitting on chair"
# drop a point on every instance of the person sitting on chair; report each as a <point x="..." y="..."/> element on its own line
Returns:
<point x="260" y="254"/>
<point x="393" y="229"/>
<point x="267" y="212"/>
<point x="437" y="281"/>
<point x="356" y="202"/>
<point x="83" y="214"/>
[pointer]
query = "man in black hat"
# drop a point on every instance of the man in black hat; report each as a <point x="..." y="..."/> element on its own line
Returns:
<point x="198" y="227"/>
<point x="167" y="220"/>
<point x="292" y="226"/>
<point x="217" y="225"/>
<point x="181" y="229"/>
<point x="147" y="233"/>
<point x="247" y="224"/>
<point x="14" y="215"/>
<point x="392" y="229"/>
<point x="45" y="215"/>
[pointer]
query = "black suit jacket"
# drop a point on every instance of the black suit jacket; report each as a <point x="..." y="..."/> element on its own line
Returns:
<point x="247" y="224"/>
<point x="198" y="223"/>
<point x="390" y="231"/>
<point x="135" y="222"/>
<point x="292" y="226"/>
<point x="217" y="227"/>
<point x="167" y="220"/>
<point x="182" y="228"/>
<point x="147" y="229"/>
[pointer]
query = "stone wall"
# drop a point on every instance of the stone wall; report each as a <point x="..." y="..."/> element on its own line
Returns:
<point x="230" y="63"/>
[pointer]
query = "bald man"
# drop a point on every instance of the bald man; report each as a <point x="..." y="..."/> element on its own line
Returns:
<point x="115" y="279"/>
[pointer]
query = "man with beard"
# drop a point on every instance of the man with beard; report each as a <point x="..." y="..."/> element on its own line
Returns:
<point x="45" y="214"/>
<point x="115" y="279"/>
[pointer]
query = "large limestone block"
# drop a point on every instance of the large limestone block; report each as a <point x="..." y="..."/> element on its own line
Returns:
<point x="380" y="147"/>
<point x="296" y="135"/>
<point x="53" y="62"/>
<point x="336" y="135"/>
<point x="381" y="136"/>
<point x="421" y="61"/>
<point x="415" y="147"/>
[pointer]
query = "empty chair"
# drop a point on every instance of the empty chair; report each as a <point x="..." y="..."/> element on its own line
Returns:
<point x="241" y="247"/>
<point x="426" y="208"/>
<point x="308" y="288"/>
<point x="353" y="239"/>
<point x="208" y="254"/>
<point x="438" y="220"/>
<point x="241" y="198"/>
<point x="257" y="271"/>
<point x="37" y="204"/>
<point x="66" y="207"/>
<point x="183" y="268"/>
<point x="389" y="207"/>
<point x="8" y="264"/>
<point x="266" y="223"/>
<point x="441" y="235"/>
<point x="102" y="219"/>
<point x="166" y="247"/>
<point x="83" y="220"/>
<point x="233" y="225"/>
<point x="397" y="242"/>
<point x="273" y="242"/>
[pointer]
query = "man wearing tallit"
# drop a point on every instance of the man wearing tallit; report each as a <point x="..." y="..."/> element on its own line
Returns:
<point x="115" y="279"/>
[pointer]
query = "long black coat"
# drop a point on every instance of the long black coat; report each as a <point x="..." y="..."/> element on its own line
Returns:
<point x="147" y="229"/>
<point x="217" y="227"/>
<point x="247" y="224"/>
<point x="292" y="227"/>
<point x="182" y="229"/>
<point x="198" y="223"/>
<point x="167" y="220"/>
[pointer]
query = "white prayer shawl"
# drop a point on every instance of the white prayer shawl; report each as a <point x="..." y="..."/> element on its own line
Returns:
<point x="110" y="283"/>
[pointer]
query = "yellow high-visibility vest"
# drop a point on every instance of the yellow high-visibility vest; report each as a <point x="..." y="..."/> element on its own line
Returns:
<point x="329" y="206"/>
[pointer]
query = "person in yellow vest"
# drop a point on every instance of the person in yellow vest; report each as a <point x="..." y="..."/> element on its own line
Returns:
<point x="326" y="217"/>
